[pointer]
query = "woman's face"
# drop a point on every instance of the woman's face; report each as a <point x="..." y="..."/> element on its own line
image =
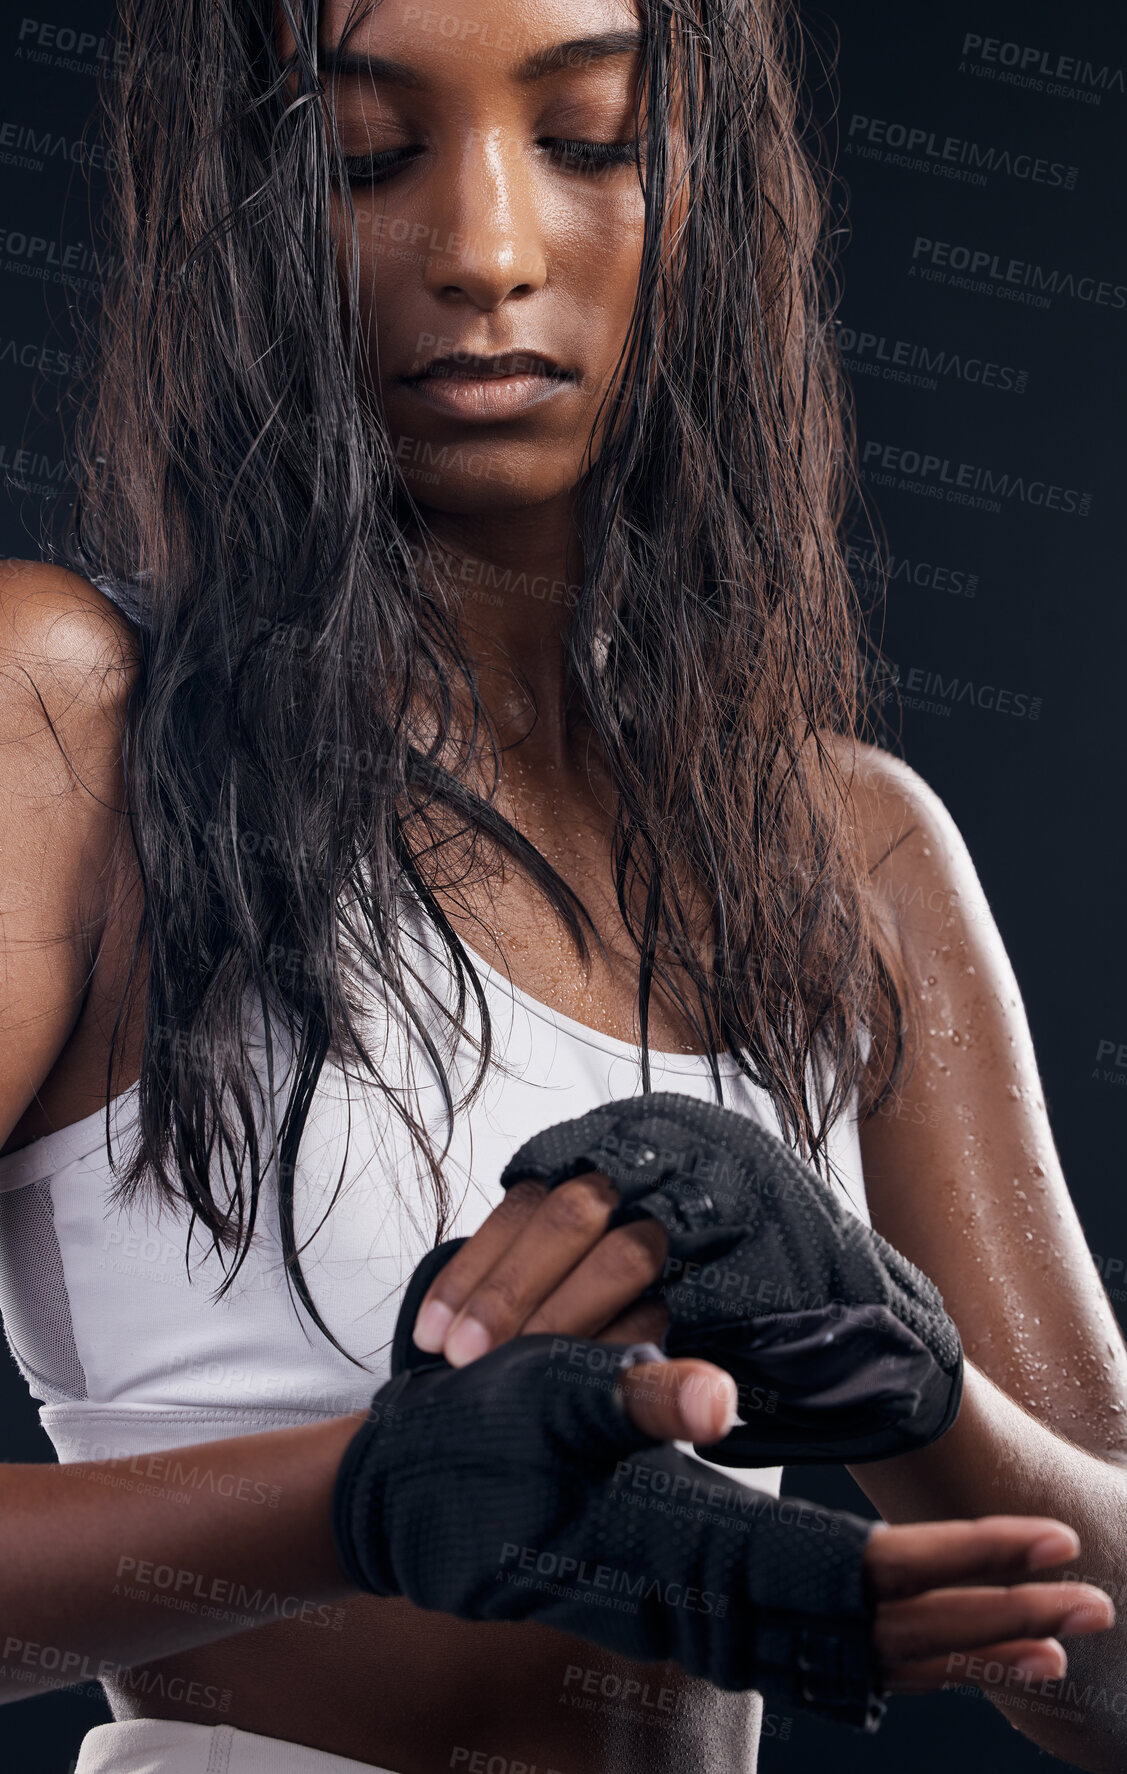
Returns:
<point x="499" y="211"/>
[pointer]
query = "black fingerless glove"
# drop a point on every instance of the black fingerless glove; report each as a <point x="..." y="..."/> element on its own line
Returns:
<point x="840" y="1347"/>
<point x="519" y="1488"/>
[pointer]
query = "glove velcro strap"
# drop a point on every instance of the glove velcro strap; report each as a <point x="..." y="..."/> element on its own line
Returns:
<point x="811" y="1643"/>
<point x="828" y="1669"/>
<point x="353" y="1502"/>
<point x="646" y="1142"/>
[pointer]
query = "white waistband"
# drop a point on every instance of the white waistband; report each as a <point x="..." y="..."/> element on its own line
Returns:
<point x="171" y="1746"/>
<point x="81" y="1430"/>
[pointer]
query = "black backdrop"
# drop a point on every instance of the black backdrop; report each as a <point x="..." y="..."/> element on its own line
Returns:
<point x="983" y="320"/>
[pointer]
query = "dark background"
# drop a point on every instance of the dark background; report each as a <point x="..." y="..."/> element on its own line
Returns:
<point x="1005" y="621"/>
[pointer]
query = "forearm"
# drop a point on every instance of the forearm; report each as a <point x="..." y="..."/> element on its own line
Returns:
<point x="110" y="1563"/>
<point x="996" y="1459"/>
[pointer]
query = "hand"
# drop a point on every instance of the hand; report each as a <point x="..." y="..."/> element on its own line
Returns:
<point x="692" y="1225"/>
<point x="540" y="1262"/>
<point x="516" y="1487"/>
<point x="942" y="1588"/>
<point x="925" y="1624"/>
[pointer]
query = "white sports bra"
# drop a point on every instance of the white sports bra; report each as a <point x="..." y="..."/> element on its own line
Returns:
<point x="129" y="1353"/>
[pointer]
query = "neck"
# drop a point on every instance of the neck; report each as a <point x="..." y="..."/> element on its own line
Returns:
<point x="511" y="590"/>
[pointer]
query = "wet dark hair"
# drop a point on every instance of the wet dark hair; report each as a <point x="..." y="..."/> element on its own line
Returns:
<point x="241" y="501"/>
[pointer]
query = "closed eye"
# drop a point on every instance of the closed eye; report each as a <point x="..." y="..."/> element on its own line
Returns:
<point x="587" y="156"/>
<point x="574" y="156"/>
<point x="375" y="169"/>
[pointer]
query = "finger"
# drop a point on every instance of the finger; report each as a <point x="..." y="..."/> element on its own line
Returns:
<point x="608" y="1279"/>
<point x="947" y="1620"/>
<point x="686" y="1400"/>
<point x="991" y="1667"/>
<point x="457" y="1280"/>
<point x="919" y="1556"/>
<point x="565" y="1225"/>
<point x="647" y="1322"/>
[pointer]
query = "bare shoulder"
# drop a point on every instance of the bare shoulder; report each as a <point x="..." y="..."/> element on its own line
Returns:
<point x="890" y="801"/>
<point x="961" y="1168"/>
<point x="54" y="622"/>
<point x="920" y="870"/>
<point x="66" y="666"/>
<point x="68" y="661"/>
<point x="922" y="887"/>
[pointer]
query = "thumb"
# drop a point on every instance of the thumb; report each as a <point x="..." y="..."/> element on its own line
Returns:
<point x="590" y="1399"/>
<point x="685" y="1400"/>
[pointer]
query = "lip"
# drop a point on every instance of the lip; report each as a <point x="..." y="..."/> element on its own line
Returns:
<point x="486" y="397"/>
<point x="486" y="388"/>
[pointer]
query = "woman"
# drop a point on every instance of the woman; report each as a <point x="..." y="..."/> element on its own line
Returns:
<point x="395" y="631"/>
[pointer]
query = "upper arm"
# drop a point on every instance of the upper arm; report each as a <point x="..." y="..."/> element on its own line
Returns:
<point x="65" y="671"/>
<point x="961" y="1170"/>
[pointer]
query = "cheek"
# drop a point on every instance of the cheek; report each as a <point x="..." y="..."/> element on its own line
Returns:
<point x="596" y="255"/>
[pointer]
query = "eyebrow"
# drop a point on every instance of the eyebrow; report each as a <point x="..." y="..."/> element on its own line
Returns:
<point x="535" y="67"/>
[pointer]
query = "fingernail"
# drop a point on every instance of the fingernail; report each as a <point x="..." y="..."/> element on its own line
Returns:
<point x="1083" y="1619"/>
<point x="1052" y="1549"/>
<point x="431" y="1326"/>
<point x="707" y="1421"/>
<point x="470" y="1340"/>
<point x="1048" y="1662"/>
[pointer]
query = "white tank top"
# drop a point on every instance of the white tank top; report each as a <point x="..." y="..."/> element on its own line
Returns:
<point x="129" y="1353"/>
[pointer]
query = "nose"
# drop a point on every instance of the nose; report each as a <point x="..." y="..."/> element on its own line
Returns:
<point x="488" y="224"/>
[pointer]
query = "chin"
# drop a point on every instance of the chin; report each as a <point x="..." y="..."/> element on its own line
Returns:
<point x="482" y="494"/>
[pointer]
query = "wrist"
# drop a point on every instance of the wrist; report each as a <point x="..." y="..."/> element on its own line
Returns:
<point x="329" y="1442"/>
